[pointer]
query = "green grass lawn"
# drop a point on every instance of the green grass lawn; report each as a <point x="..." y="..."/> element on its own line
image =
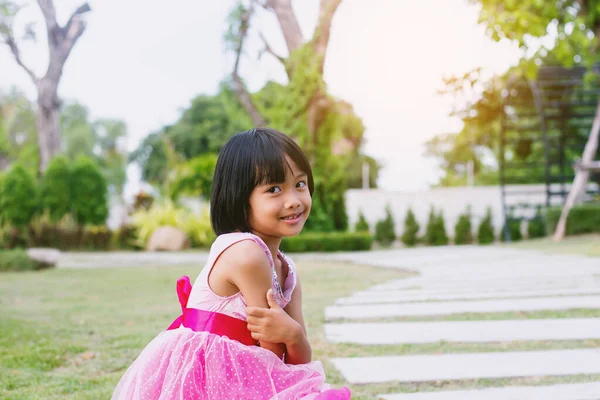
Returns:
<point x="72" y="333"/>
<point x="588" y="245"/>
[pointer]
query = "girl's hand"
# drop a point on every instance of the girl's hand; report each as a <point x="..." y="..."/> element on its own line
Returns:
<point x="273" y="324"/>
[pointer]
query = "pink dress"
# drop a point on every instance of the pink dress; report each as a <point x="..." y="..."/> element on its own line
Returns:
<point x="208" y="353"/>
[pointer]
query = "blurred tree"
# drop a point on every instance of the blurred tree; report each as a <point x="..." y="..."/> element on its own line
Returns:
<point x="573" y="27"/>
<point x="18" y="139"/>
<point x="327" y="129"/>
<point x="61" y="40"/>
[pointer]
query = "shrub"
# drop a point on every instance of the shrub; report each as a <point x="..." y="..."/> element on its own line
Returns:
<point x="89" y="196"/>
<point x="584" y="218"/>
<point x="361" y="225"/>
<point x="332" y="241"/>
<point x="514" y="229"/>
<point x="198" y="229"/>
<point x="435" y="233"/>
<point x="18" y="260"/>
<point x="56" y="188"/>
<point x="124" y="238"/>
<point x="485" y="231"/>
<point x="463" y="231"/>
<point x="411" y="229"/>
<point x="385" y="232"/>
<point x="18" y="197"/>
<point x="536" y="227"/>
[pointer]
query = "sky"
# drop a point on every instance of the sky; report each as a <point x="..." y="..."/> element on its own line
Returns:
<point x="143" y="61"/>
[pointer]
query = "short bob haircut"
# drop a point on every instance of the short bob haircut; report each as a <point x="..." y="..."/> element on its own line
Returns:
<point x="249" y="159"/>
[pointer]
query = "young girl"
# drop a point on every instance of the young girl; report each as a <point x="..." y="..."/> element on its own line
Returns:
<point x="241" y="334"/>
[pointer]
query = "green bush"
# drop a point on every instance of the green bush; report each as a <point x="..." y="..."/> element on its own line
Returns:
<point x="198" y="229"/>
<point x="124" y="238"/>
<point x="18" y="197"/>
<point x="536" y="227"/>
<point x="584" y="218"/>
<point x="56" y="188"/>
<point x="463" y="231"/>
<point x="485" y="231"/>
<point x="89" y="196"/>
<point x="332" y="241"/>
<point x="514" y="230"/>
<point x="435" y="232"/>
<point x="411" y="229"/>
<point x="64" y="234"/>
<point x="361" y="225"/>
<point x="18" y="260"/>
<point x="385" y="232"/>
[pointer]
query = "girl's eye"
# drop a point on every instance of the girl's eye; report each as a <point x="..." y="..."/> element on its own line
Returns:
<point x="274" y="189"/>
<point x="301" y="184"/>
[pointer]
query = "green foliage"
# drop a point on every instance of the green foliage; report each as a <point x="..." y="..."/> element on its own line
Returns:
<point x="18" y="260"/>
<point x="56" y="188"/>
<point x="332" y="241"/>
<point x="18" y="132"/>
<point x="514" y="230"/>
<point x="203" y="128"/>
<point x="198" y="229"/>
<point x="536" y="227"/>
<point x="435" y="232"/>
<point x="19" y="199"/>
<point x="361" y="225"/>
<point x="385" y="232"/>
<point x="485" y="231"/>
<point x="411" y="229"/>
<point x="570" y="26"/>
<point x="89" y="193"/>
<point x="463" y="232"/>
<point x="98" y="140"/>
<point x="584" y="218"/>
<point x="194" y="176"/>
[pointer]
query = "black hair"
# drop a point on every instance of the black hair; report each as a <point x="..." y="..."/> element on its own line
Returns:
<point x="249" y="159"/>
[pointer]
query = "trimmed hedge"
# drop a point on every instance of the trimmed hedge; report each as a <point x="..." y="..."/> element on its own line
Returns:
<point x="332" y="241"/>
<point x="584" y="218"/>
<point x="18" y="260"/>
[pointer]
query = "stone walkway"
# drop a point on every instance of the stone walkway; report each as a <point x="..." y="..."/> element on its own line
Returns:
<point x="472" y="279"/>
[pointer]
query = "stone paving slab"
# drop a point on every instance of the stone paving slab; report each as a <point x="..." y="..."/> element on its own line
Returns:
<point x="458" y="307"/>
<point x="464" y="331"/>
<point x="575" y="391"/>
<point x="360" y="370"/>
<point x="403" y="297"/>
<point x="119" y="259"/>
<point x="493" y="282"/>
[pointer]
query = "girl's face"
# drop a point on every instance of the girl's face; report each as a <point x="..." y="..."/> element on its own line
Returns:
<point x="279" y="210"/>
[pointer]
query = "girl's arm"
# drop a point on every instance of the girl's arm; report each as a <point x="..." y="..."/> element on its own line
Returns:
<point x="284" y="326"/>
<point x="298" y="348"/>
<point x="249" y="270"/>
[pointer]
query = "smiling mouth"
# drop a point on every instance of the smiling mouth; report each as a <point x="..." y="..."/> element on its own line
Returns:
<point x="293" y="216"/>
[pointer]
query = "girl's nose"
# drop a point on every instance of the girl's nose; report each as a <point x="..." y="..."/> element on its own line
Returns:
<point x="293" y="202"/>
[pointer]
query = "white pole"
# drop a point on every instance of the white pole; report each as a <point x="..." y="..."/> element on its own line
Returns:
<point x="470" y="173"/>
<point x="365" y="175"/>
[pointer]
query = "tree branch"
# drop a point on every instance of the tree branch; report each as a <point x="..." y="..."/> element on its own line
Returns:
<point x="238" y="85"/>
<point x="323" y="30"/>
<point x="75" y="26"/>
<point x="10" y="41"/>
<point x="63" y="38"/>
<point x="49" y="12"/>
<point x="288" y="22"/>
<point x="269" y="50"/>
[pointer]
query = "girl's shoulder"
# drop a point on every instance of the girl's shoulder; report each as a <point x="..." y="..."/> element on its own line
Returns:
<point x="248" y="248"/>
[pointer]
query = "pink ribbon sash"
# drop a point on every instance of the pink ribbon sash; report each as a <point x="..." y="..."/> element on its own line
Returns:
<point x="208" y="321"/>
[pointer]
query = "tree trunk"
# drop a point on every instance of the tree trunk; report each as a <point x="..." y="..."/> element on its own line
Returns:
<point x="287" y="22"/>
<point x="48" y="115"/>
<point x="581" y="178"/>
<point x="61" y="40"/>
